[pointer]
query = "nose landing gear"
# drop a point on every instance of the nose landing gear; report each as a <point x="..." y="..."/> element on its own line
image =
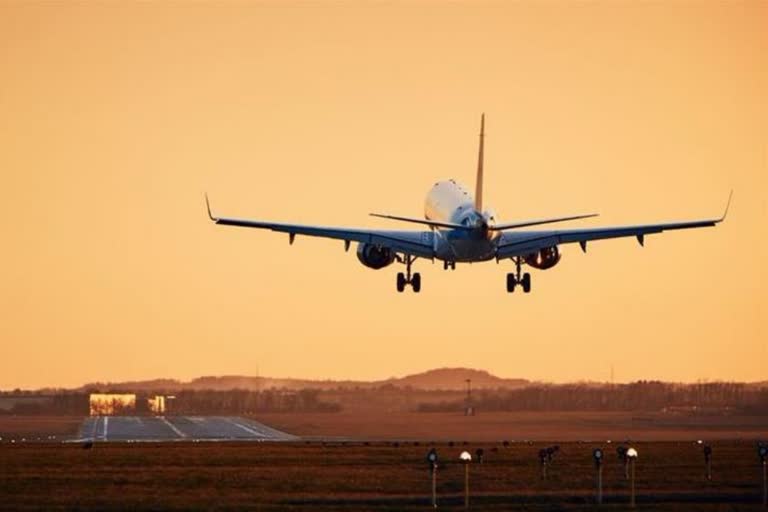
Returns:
<point x="404" y="280"/>
<point x="515" y="279"/>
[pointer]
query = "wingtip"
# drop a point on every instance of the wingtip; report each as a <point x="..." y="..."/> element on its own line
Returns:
<point x="208" y="207"/>
<point x="727" y="207"/>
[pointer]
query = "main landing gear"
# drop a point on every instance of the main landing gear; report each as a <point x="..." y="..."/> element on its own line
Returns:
<point x="515" y="279"/>
<point x="449" y="265"/>
<point x="407" y="279"/>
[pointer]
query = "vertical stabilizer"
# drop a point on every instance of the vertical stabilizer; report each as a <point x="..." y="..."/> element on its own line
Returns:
<point x="479" y="182"/>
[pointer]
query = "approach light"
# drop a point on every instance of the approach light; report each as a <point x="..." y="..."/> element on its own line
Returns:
<point x="597" y="454"/>
<point x="466" y="458"/>
<point x="708" y="460"/>
<point x="631" y="456"/>
<point x="432" y="461"/>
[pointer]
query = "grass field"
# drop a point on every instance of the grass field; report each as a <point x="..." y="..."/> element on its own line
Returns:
<point x="541" y="426"/>
<point x="43" y="427"/>
<point x="379" y="476"/>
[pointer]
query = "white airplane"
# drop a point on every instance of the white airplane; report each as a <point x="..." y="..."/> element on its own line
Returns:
<point x="460" y="230"/>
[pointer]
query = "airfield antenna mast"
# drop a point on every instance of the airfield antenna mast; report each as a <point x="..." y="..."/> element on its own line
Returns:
<point x="469" y="411"/>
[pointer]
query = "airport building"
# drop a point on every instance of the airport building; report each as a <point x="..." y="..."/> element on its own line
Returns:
<point x="110" y="404"/>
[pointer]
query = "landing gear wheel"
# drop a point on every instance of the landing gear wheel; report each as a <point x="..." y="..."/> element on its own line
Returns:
<point x="405" y="279"/>
<point x="526" y="282"/>
<point x="416" y="282"/>
<point x="511" y="283"/>
<point x="400" y="282"/>
<point x="518" y="278"/>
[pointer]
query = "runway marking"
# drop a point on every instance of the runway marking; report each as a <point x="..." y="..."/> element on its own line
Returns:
<point x="267" y="431"/>
<point x="95" y="427"/>
<point x="100" y="429"/>
<point x="173" y="427"/>
<point x="247" y="429"/>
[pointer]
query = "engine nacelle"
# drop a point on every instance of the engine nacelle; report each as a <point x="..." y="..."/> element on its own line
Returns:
<point x="544" y="259"/>
<point x="375" y="257"/>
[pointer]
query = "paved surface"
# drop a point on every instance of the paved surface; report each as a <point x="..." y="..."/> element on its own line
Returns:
<point x="178" y="428"/>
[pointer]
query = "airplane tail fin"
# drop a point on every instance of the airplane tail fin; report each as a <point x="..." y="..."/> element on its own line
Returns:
<point x="479" y="182"/>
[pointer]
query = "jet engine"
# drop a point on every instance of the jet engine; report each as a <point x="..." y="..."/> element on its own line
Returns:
<point x="544" y="259"/>
<point x="375" y="257"/>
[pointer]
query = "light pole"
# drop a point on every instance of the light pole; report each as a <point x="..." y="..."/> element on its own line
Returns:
<point x="708" y="460"/>
<point x="469" y="410"/>
<point x="466" y="458"/>
<point x="632" y="457"/>
<point x="543" y="463"/>
<point x="621" y="451"/>
<point x="762" y="452"/>
<point x="597" y="454"/>
<point x="432" y="460"/>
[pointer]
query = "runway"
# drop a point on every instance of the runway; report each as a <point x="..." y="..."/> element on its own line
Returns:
<point x="178" y="428"/>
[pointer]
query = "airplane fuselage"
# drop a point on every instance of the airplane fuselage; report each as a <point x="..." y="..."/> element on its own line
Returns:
<point x="449" y="202"/>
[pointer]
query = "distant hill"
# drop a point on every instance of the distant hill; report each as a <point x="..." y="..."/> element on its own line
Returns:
<point x="439" y="379"/>
<point x="456" y="379"/>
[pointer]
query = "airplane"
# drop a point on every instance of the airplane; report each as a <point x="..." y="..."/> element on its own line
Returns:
<point x="462" y="231"/>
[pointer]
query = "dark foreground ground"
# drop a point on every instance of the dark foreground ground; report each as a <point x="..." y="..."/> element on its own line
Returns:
<point x="377" y="476"/>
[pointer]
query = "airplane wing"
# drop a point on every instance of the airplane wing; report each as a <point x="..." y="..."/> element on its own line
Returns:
<point x="416" y="243"/>
<point x="525" y="242"/>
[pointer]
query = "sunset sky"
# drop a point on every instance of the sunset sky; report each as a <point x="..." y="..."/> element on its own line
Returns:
<point x="116" y="117"/>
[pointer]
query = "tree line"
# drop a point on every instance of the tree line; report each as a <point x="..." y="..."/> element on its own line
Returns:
<point x="238" y="401"/>
<point x="641" y="395"/>
<point x="204" y="402"/>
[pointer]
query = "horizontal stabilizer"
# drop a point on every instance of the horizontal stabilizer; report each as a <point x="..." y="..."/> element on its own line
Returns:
<point x="525" y="224"/>
<point x="432" y="223"/>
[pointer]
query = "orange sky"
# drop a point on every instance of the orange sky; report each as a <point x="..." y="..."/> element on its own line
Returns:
<point x="114" y="118"/>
